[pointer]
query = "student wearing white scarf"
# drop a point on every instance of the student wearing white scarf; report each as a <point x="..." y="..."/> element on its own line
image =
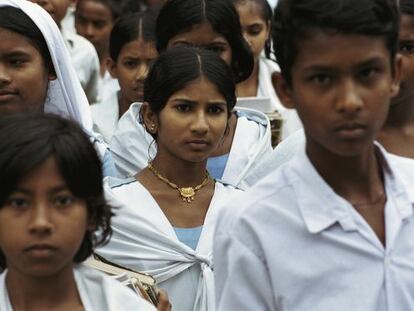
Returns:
<point x="160" y="226"/>
<point x="65" y="96"/>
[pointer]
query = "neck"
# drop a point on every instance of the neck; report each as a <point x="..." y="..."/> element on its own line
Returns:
<point x="103" y="55"/>
<point x="355" y="178"/>
<point x="42" y="293"/>
<point x="248" y="88"/>
<point x="400" y="114"/>
<point x="123" y="104"/>
<point x="180" y="172"/>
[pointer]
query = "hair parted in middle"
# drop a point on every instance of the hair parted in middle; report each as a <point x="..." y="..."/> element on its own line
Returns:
<point x="180" y="16"/>
<point x="178" y="66"/>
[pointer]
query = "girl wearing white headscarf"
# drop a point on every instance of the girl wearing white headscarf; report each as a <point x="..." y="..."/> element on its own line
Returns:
<point x="64" y="95"/>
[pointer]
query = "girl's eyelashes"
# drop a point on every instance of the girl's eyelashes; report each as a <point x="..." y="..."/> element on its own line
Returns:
<point x="407" y="48"/>
<point x="64" y="200"/>
<point x="215" y="108"/>
<point x="16" y="201"/>
<point x="183" y="107"/>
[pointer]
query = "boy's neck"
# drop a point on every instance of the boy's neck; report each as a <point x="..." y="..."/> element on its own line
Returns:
<point x="400" y="115"/>
<point x="43" y="293"/>
<point x="356" y="179"/>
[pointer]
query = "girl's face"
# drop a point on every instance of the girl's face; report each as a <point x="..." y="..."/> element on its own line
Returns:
<point x="203" y="36"/>
<point x="131" y="68"/>
<point x="406" y="38"/>
<point x="94" y="21"/>
<point x="24" y="76"/>
<point x="42" y="225"/>
<point x="255" y="29"/>
<point x="192" y="123"/>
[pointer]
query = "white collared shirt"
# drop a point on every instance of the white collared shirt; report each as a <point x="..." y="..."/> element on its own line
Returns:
<point x="296" y="245"/>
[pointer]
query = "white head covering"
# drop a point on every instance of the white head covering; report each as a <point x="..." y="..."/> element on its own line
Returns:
<point x="65" y="96"/>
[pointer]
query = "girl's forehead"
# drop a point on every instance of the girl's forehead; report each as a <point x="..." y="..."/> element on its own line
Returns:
<point x="200" y="34"/>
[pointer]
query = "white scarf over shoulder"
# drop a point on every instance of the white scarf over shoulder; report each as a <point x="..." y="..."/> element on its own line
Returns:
<point x="143" y="239"/>
<point x="65" y="96"/>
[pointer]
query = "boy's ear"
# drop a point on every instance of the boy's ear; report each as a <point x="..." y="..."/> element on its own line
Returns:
<point x="111" y="66"/>
<point x="396" y="78"/>
<point x="149" y="118"/>
<point x="283" y="90"/>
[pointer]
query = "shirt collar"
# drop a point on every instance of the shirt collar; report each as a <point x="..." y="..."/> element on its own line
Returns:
<point x="321" y="207"/>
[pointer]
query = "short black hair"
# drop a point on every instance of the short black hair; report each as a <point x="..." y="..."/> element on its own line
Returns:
<point x="15" y="20"/>
<point x="129" y="28"/>
<point x="266" y="14"/>
<point x="180" y="16"/>
<point x="178" y="66"/>
<point x="296" y="19"/>
<point x="407" y="7"/>
<point x="27" y="140"/>
<point x="115" y="6"/>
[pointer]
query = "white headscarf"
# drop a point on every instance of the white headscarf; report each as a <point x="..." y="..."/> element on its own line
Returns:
<point x="65" y="96"/>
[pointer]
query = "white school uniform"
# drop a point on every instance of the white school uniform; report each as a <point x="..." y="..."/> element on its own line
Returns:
<point x="291" y="121"/>
<point x="106" y="116"/>
<point x="86" y="62"/>
<point x="143" y="239"/>
<point x="132" y="146"/>
<point x="97" y="291"/>
<point x="295" y="245"/>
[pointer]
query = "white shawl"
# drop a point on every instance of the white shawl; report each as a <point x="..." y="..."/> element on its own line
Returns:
<point x="131" y="146"/>
<point x="143" y="239"/>
<point x="96" y="290"/>
<point x="65" y="96"/>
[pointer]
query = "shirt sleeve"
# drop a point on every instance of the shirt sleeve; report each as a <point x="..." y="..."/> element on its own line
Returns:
<point x="242" y="280"/>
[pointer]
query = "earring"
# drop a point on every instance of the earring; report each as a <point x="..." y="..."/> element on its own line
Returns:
<point x="152" y="128"/>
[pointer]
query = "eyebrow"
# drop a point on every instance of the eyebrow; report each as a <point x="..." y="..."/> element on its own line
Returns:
<point x="375" y="60"/>
<point x="188" y="101"/>
<point x="54" y="190"/>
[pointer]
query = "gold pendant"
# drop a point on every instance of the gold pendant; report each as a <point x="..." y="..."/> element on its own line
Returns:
<point x="187" y="194"/>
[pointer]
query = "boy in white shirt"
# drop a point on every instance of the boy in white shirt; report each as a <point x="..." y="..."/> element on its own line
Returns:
<point x="333" y="228"/>
<point x="82" y="52"/>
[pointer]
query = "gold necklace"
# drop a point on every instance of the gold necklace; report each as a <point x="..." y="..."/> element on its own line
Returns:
<point x="187" y="194"/>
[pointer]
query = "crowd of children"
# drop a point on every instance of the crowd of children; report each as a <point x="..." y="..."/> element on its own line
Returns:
<point x="137" y="135"/>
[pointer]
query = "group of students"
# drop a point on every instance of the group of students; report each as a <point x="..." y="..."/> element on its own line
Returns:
<point x="194" y="194"/>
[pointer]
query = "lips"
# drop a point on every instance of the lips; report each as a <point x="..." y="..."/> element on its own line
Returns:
<point x="351" y="130"/>
<point x="40" y="250"/>
<point x="7" y="95"/>
<point x="198" y="144"/>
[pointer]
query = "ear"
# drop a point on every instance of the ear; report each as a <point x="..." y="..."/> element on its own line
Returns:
<point x="149" y="118"/>
<point x="51" y="73"/>
<point x="111" y="66"/>
<point x="283" y="90"/>
<point x="396" y="78"/>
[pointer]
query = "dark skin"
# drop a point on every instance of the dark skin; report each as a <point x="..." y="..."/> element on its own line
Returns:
<point x="198" y="112"/>
<point x="397" y="136"/>
<point x="342" y="96"/>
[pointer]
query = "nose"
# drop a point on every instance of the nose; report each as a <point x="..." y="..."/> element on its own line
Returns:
<point x="89" y="31"/>
<point x="40" y="223"/>
<point x="200" y="125"/>
<point x="5" y="77"/>
<point x="349" y="99"/>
